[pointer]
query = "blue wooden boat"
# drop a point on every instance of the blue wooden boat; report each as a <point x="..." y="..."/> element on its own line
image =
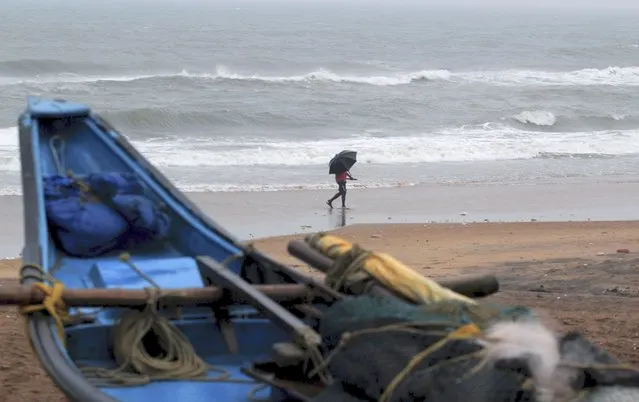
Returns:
<point x="231" y="336"/>
<point x="243" y="314"/>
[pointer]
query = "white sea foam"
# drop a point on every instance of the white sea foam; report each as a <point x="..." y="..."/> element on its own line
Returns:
<point x="486" y="142"/>
<point x="536" y="117"/>
<point x="613" y="75"/>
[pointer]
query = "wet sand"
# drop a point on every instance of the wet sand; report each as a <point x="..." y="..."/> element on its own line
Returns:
<point x="251" y="215"/>
<point x="570" y="270"/>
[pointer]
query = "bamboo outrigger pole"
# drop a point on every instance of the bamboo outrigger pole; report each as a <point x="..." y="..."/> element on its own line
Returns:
<point x="26" y="295"/>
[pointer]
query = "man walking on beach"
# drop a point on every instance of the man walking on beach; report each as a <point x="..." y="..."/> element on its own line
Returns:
<point x="341" y="178"/>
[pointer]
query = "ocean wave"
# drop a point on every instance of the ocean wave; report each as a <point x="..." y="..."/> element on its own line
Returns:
<point x="487" y="142"/>
<point x="589" y="76"/>
<point x="8" y="190"/>
<point x="614" y="76"/>
<point x="329" y="76"/>
<point x="536" y="117"/>
<point x="174" y="118"/>
<point x="611" y="76"/>
<point x="222" y="73"/>
<point x="543" y="120"/>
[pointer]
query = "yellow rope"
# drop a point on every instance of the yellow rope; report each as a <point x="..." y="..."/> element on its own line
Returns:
<point x="52" y="304"/>
<point x="385" y="269"/>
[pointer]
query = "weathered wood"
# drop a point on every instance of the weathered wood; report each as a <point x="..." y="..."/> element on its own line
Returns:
<point x="471" y="286"/>
<point x="206" y="296"/>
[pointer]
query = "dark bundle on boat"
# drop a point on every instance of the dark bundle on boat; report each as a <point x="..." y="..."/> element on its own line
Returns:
<point x="382" y="349"/>
<point x="389" y="343"/>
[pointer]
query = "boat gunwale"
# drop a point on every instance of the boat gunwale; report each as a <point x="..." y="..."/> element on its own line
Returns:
<point x="42" y="335"/>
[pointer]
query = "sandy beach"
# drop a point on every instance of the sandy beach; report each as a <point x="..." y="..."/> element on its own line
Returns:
<point x="569" y="270"/>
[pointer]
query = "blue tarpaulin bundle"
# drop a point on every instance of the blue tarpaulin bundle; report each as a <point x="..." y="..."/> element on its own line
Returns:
<point x="102" y="212"/>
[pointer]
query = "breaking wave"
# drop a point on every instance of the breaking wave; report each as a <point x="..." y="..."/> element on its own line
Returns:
<point x="542" y="120"/>
<point x="614" y="76"/>
<point x="487" y="142"/>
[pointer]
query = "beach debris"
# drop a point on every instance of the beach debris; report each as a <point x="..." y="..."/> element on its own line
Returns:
<point x="600" y="253"/>
<point x="533" y="220"/>
<point x="623" y="251"/>
<point x="375" y="236"/>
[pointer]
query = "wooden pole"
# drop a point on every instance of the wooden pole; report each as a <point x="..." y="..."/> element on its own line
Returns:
<point x="471" y="286"/>
<point x="206" y="296"/>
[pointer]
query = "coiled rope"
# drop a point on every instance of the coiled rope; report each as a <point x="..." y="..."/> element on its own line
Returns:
<point x="176" y="360"/>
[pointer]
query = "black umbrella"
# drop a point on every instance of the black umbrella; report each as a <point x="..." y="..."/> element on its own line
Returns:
<point x="342" y="162"/>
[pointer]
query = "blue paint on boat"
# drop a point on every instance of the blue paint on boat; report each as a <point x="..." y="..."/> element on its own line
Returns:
<point x="91" y="145"/>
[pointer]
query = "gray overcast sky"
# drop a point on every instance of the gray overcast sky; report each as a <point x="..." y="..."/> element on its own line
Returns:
<point x="575" y="5"/>
<point x="452" y="3"/>
<point x="562" y="3"/>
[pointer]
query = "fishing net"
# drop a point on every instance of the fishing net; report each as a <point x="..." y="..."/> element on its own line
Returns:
<point x="382" y="349"/>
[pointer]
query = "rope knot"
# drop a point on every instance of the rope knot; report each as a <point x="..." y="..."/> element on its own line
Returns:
<point x="53" y="304"/>
<point x="153" y="301"/>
